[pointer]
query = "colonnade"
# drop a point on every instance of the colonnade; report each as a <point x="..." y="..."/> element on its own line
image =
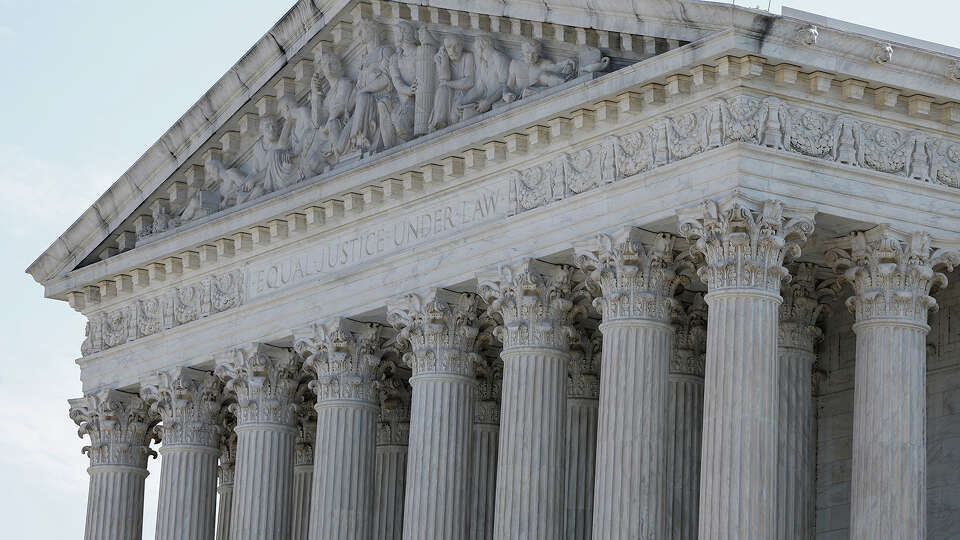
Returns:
<point x="669" y="423"/>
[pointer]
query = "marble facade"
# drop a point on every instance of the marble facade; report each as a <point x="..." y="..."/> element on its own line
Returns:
<point x="656" y="270"/>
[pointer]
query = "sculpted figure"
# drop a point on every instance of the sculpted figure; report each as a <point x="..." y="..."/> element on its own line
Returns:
<point x="533" y="73"/>
<point x="592" y="60"/>
<point x="369" y="125"/>
<point x="491" y="78"/>
<point x="306" y="141"/>
<point x="426" y="81"/>
<point x="273" y="166"/>
<point x="403" y="75"/>
<point x="455" y="72"/>
<point x="331" y="111"/>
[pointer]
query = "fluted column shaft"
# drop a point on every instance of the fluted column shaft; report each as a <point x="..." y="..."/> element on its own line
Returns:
<point x="483" y="480"/>
<point x="302" y="487"/>
<point x="187" y="505"/>
<point x="794" y="492"/>
<point x="441" y="423"/>
<point x="342" y="503"/>
<point x="263" y="489"/>
<point x="684" y="431"/>
<point x="225" y="510"/>
<point x="530" y="464"/>
<point x="631" y="479"/>
<point x="118" y="424"/>
<point x="389" y="491"/>
<point x="581" y="456"/>
<point x="115" y="503"/>
<point x="889" y="432"/>
<point x="740" y="428"/>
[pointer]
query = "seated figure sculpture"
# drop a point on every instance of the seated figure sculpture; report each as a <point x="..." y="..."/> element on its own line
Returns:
<point x="533" y="73"/>
<point x="490" y="82"/>
<point x="455" y="75"/>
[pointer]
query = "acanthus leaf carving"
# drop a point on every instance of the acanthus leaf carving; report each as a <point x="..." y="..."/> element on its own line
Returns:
<point x="188" y="402"/>
<point x="264" y="380"/>
<point x="119" y="425"/>
<point x="690" y="338"/>
<point x="341" y="356"/>
<point x="441" y="329"/>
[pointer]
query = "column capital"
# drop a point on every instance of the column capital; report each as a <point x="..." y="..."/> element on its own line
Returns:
<point x="486" y="405"/>
<point x="119" y="425"/>
<point x="801" y="308"/>
<point x="743" y="243"/>
<point x="441" y="329"/>
<point x="637" y="273"/>
<point x="533" y="300"/>
<point x="891" y="273"/>
<point x="583" y="371"/>
<point x="188" y="402"/>
<point x="690" y="338"/>
<point x="264" y="379"/>
<point x="394" y="394"/>
<point x="341" y="355"/>
<point x="306" y="437"/>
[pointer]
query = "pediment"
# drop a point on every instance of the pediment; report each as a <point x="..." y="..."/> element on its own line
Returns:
<point x="330" y="89"/>
<point x="313" y="97"/>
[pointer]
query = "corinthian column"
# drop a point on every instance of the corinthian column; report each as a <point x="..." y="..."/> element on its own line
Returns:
<point x="892" y="276"/>
<point x="583" y="394"/>
<point x="533" y="301"/>
<point x="441" y="328"/>
<point x="744" y="246"/>
<point x="393" y="436"/>
<point x="118" y="425"/>
<point x="228" y="461"/>
<point x="483" y="453"/>
<point x="684" y="428"/>
<point x="637" y="280"/>
<point x="795" y="349"/>
<point x="342" y="355"/>
<point x="303" y="469"/>
<point x="188" y="402"/>
<point x="264" y="379"/>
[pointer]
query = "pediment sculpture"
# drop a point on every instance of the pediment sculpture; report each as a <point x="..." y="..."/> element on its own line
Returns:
<point x="411" y="81"/>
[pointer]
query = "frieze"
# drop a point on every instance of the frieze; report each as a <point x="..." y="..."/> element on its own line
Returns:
<point x="769" y="122"/>
<point x="153" y="314"/>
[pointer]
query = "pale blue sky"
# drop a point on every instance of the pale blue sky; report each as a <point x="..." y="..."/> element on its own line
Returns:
<point x="86" y="87"/>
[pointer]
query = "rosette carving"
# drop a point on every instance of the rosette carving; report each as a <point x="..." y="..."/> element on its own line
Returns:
<point x="440" y="328"/>
<point x="264" y="380"/>
<point x="119" y="425"/>
<point x="690" y="338"/>
<point x="801" y="308"/>
<point x="892" y="274"/>
<point x="743" y="245"/>
<point x="188" y="402"/>
<point x="394" y="394"/>
<point x="532" y="301"/>
<point x="341" y="355"/>
<point x="637" y="280"/>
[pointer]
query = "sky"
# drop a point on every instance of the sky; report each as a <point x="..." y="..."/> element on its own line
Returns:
<point x="87" y="86"/>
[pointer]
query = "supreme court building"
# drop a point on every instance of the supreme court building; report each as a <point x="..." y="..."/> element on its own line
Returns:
<point x="526" y="270"/>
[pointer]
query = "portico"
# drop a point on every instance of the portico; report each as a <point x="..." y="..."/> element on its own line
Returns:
<point x="575" y="282"/>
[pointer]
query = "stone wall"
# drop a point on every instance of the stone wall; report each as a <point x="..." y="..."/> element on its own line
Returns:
<point x="835" y="422"/>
